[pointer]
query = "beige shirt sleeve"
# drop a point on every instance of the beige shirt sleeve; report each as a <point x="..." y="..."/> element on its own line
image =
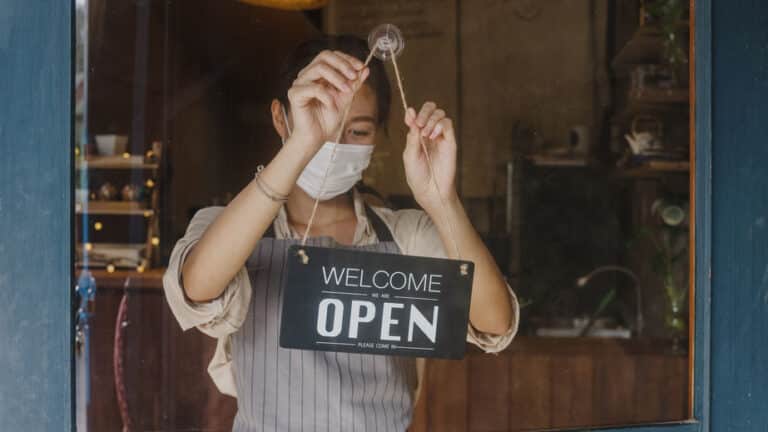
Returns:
<point x="417" y="235"/>
<point x="217" y="318"/>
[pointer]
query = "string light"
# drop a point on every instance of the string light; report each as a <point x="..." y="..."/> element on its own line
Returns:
<point x="126" y="155"/>
<point x="147" y="213"/>
<point x="149" y="183"/>
<point x="98" y="226"/>
<point x="155" y="241"/>
<point x="110" y="268"/>
<point x="89" y="247"/>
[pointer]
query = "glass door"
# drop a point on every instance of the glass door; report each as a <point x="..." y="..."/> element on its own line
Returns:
<point x="575" y="167"/>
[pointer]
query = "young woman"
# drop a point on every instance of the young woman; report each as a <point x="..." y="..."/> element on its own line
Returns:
<point x="224" y="276"/>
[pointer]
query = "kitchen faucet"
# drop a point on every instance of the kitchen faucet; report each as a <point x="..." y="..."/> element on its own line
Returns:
<point x="582" y="281"/>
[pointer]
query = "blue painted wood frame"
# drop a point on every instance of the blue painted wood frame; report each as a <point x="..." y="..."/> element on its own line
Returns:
<point x="739" y="353"/>
<point x="730" y="392"/>
<point x="36" y="385"/>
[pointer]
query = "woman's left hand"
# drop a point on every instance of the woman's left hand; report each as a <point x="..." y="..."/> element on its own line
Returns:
<point x="432" y="127"/>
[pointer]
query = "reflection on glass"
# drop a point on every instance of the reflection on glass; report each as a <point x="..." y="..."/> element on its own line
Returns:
<point x="572" y="122"/>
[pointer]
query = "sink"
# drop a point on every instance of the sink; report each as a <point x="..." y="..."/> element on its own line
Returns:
<point x="601" y="328"/>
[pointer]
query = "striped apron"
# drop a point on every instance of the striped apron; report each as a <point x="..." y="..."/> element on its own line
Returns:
<point x="283" y="389"/>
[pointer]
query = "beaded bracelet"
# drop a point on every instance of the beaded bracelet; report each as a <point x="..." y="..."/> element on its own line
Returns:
<point x="266" y="190"/>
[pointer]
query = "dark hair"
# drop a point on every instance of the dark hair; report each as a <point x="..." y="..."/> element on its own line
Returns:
<point x="352" y="45"/>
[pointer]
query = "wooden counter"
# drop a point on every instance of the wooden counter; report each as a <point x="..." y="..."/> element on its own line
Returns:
<point x="541" y="383"/>
<point x="537" y="383"/>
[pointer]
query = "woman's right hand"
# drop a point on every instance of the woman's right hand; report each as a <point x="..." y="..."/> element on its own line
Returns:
<point x="319" y="95"/>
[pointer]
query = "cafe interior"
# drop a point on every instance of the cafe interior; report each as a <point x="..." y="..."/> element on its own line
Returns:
<point x="574" y="164"/>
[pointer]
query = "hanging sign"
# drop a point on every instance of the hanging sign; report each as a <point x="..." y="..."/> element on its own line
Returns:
<point x="375" y="303"/>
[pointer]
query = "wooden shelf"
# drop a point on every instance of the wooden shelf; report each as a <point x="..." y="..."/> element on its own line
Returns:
<point x="655" y="169"/>
<point x="128" y="208"/>
<point x="659" y="96"/>
<point x="116" y="162"/>
<point x="557" y="161"/>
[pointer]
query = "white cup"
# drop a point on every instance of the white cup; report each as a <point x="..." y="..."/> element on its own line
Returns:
<point x="111" y="145"/>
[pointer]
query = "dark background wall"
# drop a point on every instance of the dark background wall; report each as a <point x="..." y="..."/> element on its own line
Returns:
<point x="199" y="76"/>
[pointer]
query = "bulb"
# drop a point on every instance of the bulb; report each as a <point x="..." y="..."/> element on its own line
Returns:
<point x="98" y="226"/>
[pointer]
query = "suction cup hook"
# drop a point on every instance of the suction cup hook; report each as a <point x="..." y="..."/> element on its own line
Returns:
<point x="385" y="40"/>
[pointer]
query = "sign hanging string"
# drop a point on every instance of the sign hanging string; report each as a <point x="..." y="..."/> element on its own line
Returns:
<point x="345" y="113"/>
<point x="429" y="159"/>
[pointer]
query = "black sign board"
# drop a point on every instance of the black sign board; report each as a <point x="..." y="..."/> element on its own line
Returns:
<point x="376" y="303"/>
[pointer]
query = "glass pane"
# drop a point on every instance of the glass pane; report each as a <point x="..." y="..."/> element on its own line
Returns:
<point x="204" y="135"/>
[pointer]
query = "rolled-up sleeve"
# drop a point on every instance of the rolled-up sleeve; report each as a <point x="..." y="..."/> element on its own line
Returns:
<point x="492" y="343"/>
<point x="417" y="235"/>
<point x="218" y="317"/>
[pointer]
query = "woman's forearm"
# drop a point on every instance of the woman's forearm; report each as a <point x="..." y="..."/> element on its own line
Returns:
<point x="230" y="239"/>
<point x="490" y="310"/>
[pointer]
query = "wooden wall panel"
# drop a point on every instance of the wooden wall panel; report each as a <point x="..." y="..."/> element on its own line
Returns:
<point x="676" y="376"/>
<point x="572" y="388"/>
<point x="447" y="395"/>
<point x="530" y="392"/>
<point x="650" y="372"/>
<point x="488" y="385"/>
<point x="614" y="390"/>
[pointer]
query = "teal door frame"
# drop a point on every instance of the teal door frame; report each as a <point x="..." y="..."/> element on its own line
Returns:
<point x="36" y="57"/>
<point x="731" y="225"/>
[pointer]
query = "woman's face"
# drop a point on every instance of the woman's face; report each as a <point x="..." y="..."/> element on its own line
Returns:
<point x="361" y="124"/>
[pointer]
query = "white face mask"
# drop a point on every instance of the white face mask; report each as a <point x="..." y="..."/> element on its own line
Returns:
<point x="346" y="168"/>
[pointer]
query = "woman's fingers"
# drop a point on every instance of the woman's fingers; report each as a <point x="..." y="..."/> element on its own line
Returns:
<point x="301" y="94"/>
<point x="410" y="117"/>
<point x="341" y="70"/>
<point x="355" y="62"/>
<point x="325" y="72"/>
<point x="412" y="140"/>
<point x="430" y="121"/>
<point x="426" y="111"/>
<point x="430" y="127"/>
<point x="338" y="62"/>
<point x="444" y="127"/>
<point x="364" y="74"/>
